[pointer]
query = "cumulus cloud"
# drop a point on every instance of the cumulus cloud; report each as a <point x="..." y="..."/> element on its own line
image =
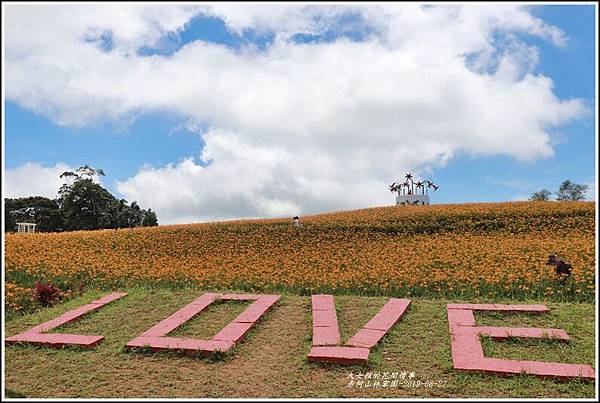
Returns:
<point x="34" y="179"/>
<point x="299" y="127"/>
<point x="591" y="191"/>
<point x="235" y="179"/>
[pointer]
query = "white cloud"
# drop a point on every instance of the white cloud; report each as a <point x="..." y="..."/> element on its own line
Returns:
<point x="591" y="191"/>
<point x="34" y="179"/>
<point x="237" y="179"/>
<point x="301" y="127"/>
<point x="282" y="20"/>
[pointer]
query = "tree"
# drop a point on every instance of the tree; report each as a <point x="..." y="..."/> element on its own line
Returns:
<point x="40" y="210"/>
<point x="150" y="219"/>
<point x="541" y="195"/>
<point x="571" y="191"/>
<point x="82" y="204"/>
<point x="135" y="215"/>
<point x="81" y="173"/>
<point x="125" y="216"/>
<point x="87" y="172"/>
<point x="86" y="206"/>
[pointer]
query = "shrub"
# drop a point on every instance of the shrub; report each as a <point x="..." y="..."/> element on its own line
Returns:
<point x="46" y="294"/>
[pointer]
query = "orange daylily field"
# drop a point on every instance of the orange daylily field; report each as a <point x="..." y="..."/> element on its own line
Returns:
<point x="483" y="250"/>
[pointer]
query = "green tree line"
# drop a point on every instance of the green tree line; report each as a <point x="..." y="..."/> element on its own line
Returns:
<point x="82" y="204"/>
<point x="568" y="191"/>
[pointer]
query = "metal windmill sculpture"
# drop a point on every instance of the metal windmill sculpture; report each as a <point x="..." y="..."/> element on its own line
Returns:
<point x="420" y="185"/>
<point x="411" y="189"/>
<point x="414" y="192"/>
<point x="430" y="184"/>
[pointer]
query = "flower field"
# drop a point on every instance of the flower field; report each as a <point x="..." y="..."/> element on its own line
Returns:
<point x="485" y="250"/>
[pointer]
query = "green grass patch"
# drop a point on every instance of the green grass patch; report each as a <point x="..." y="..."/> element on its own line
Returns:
<point x="271" y="360"/>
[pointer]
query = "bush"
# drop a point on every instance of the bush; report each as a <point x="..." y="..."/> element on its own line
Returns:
<point x="46" y="294"/>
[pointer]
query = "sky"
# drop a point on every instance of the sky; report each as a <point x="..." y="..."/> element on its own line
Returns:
<point x="220" y="111"/>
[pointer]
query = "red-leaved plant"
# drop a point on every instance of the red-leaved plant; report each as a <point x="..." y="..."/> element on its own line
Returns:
<point x="45" y="294"/>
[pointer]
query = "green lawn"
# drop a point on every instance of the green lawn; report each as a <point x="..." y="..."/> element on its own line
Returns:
<point x="271" y="361"/>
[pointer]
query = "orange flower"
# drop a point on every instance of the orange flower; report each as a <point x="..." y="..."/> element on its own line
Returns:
<point x="483" y="249"/>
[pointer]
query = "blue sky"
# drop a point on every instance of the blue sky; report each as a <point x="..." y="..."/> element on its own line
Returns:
<point x="156" y="137"/>
<point x="572" y="70"/>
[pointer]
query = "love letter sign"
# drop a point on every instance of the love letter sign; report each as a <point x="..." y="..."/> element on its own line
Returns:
<point x="357" y="349"/>
<point x="36" y="336"/>
<point x="467" y="352"/>
<point x="156" y="337"/>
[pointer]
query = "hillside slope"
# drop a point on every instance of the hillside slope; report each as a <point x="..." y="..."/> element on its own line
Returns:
<point x="488" y="249"/>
